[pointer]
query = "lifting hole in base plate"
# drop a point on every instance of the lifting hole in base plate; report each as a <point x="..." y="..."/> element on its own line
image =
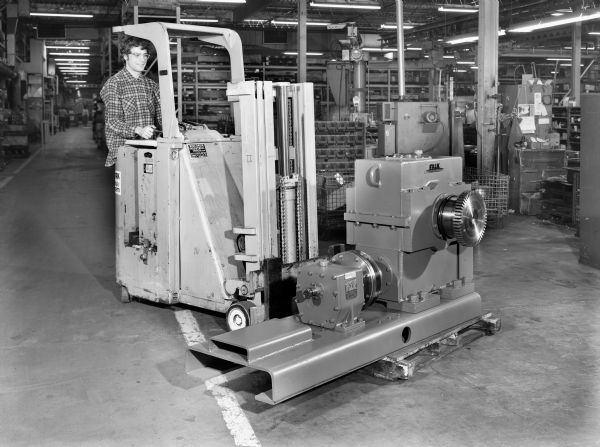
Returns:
<point x="406" y="334"/>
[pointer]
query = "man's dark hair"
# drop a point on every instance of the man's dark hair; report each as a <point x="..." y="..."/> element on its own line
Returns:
<point x="128" y="42"/>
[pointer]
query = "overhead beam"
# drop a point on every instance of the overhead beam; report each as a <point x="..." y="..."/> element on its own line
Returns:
<point x="251" y="7"/>
<point x="83" y="8"/>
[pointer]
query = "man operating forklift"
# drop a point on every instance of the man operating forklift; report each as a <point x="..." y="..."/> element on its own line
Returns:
<point x="132" y="100"/>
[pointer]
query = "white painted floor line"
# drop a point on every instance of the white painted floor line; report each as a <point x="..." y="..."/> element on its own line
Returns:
<point x="29" y="160"/>
<point x="235" y="418"/>
<point x="8" y="179"/>
<point x="189" y="327"/>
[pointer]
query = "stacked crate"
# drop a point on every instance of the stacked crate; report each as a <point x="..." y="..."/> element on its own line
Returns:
<point x="528" y="169"/>
<point x="559" y="201"/>
<point x="338" y="144"/>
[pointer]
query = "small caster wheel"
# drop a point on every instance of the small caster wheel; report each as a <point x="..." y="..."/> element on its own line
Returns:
<point x="238" y="315"/>
<point x="125" y="296"/>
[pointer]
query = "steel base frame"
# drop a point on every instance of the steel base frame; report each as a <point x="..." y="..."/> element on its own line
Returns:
<point x="299" y="357"/>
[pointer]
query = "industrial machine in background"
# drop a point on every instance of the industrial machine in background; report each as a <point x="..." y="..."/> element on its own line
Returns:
<point x="228" y="223"/>
<point x="408" y="127"/>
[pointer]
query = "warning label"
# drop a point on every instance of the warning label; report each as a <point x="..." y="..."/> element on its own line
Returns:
<point x="197" y="150"/>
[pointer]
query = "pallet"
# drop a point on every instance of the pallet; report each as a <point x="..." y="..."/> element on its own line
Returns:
<point x="403" y="366"/>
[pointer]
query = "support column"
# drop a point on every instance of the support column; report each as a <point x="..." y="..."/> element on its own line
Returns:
<point x="487" y="83"/>
<point x="302" y="40"/>
<point x="359" y="81"/>
<point x="576" y="63"/>
<point x="400" y="42"/>
<point x="12" y="19"/>
<point x="110" y="52"/>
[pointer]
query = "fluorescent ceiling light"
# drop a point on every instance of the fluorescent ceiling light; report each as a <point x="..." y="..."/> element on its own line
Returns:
<point x="153" y="16"/>
<point x="414" y="49"/>
<point x="465" y="39"/>
<point x="72" y="64"/>
<point x="557" y="14"/>
<point x="220" y="1"/>
<point x="594" y="33"/>
<point x="527" y="27"/>
<point x="378" y="50"/>
<point x="69" y="54"/>
<point x="458" y="9"/>
<point x="460" y="71"/>
<point x="465" y="62"/>
<point x="558" y="59"/>
<point x="295" y="53"/>
<point x="256" y="20"/>
<point x="470" y="38"/>
<point x="345" y="5"/>
<point x="447" y="56"/>
<point x="76" y="81"/>
<point x="386" y="26"/>
<point x="63" y="47"/>
<point x="201" y="20"/>
<point x="52" y="14"/>
<point x="474" y="67"/>
<point x="71" y="60"/>
<point x="295" y="23"/>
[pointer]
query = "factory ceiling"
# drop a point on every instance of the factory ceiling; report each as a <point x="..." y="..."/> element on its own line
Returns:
<point x="425" y="24"/>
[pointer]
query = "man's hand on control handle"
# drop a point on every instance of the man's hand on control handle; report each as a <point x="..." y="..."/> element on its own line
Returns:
<point x="145" y="132"/>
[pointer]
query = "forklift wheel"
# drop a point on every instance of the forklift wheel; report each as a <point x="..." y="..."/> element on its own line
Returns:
<point x="125" y="297"/>
<point x="238" y="315"/>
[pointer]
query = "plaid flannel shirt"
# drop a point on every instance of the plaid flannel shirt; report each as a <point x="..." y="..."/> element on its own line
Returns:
<point x="130" y="102"/>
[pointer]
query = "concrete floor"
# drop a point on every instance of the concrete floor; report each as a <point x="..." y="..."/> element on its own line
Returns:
<point x="79" y="368"/>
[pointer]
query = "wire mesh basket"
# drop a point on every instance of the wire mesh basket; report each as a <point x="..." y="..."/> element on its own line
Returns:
<point x="331" y="198"/>
<point x="493" y="187"/>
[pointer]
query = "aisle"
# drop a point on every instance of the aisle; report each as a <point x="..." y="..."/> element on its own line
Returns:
<point x="76" y="366"/>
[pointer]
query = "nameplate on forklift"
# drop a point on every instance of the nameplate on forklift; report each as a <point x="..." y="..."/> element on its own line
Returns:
<point x="197" y="150"/>
<point x="118" y="182"/>
<point x="434" y="167"/>
<point x="148" y="168"/>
